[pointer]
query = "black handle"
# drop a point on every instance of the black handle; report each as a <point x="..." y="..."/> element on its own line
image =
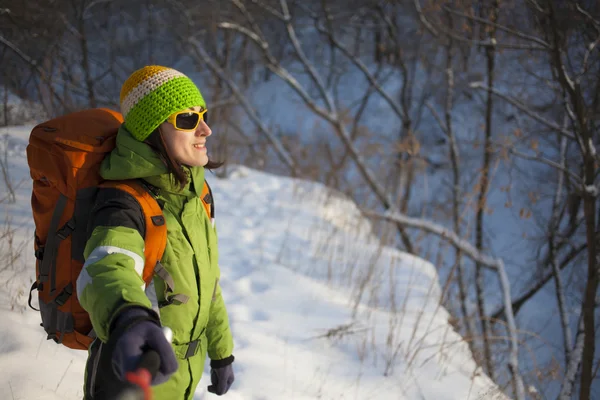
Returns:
<point x="150" y="361"/>
<point x="138" y="381"/>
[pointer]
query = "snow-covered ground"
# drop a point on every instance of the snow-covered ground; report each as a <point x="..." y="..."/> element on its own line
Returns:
<point x="318" y="308"/>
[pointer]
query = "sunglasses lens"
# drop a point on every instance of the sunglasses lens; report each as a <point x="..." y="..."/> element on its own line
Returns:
<point x="205" y="116"/>
<point x="186" y="121"/>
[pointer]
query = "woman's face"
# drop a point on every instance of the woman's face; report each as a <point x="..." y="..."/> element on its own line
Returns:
<point x="187" y="147"/>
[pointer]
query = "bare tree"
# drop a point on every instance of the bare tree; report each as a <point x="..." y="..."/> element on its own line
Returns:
<point x="571" y="70"/>
<point x="490" y="52"/>
<point x="446" y="125"/>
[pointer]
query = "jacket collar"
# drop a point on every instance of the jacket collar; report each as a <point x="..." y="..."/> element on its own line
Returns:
<point x="132" y="159"/>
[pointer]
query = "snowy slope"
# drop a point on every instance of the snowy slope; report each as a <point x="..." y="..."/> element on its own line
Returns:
<point x="318" y="308"/>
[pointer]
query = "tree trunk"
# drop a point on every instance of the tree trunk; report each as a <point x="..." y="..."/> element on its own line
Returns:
<point x="589" y="302"/>
<point x="85" y="59"/>
<point x="481" y="203"/>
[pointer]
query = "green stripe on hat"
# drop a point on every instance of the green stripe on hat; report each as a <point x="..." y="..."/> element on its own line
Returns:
<point x="154" y="108"/>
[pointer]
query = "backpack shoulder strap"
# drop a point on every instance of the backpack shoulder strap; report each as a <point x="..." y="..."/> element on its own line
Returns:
<point x="208" y="201"/>
<point x="156" y="227"/>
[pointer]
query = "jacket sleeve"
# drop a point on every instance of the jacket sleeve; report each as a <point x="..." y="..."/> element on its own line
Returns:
<point x="111" y="277"/>
<point x="218" y="333"/>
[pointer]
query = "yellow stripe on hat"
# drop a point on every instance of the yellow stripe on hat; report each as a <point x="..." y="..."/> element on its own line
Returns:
<point x="145" y="86"/>
<point x="139" y="76"/>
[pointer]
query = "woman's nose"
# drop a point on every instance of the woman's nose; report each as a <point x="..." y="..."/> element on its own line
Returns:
<point x="203" y="129"/>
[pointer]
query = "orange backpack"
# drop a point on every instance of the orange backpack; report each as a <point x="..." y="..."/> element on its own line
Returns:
<point x="64" y="157"/>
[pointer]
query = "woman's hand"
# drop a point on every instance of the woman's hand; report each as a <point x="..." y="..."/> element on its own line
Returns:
<point x="137" y="332"/>
<point x="221" y="376"/>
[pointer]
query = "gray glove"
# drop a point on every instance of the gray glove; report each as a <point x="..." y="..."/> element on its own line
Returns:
<point x="221" y="376"/>
<point x="138" y="332"/>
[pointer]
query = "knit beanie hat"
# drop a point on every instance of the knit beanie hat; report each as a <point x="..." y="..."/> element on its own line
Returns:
<point x="151" y="94"/>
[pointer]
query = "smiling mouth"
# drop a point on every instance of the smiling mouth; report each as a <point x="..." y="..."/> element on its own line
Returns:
<point x="199" y="146"/>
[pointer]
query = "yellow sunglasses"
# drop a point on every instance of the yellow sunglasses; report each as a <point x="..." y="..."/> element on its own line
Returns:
<point x="187" y="120"/>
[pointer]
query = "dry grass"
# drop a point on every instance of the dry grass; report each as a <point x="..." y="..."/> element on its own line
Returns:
<point x="12" y="244"/>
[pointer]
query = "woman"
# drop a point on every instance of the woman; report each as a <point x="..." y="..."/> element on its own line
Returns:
<point x="162" y="143"/>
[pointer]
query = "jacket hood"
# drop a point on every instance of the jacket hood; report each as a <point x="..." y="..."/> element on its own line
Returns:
<point x="132" y="159"/>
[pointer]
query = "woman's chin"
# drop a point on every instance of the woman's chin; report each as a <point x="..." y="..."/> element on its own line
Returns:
<point x="198" y="162"/>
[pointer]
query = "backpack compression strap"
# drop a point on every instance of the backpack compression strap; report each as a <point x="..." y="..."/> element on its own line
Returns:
<point x="207" y="201"/>
<point x="156" y="228"/>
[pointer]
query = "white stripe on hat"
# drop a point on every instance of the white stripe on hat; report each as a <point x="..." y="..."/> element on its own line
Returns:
<point x="145" y="87"/>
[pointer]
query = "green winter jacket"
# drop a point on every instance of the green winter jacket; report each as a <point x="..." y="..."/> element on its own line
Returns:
<point x="111" y="277"/>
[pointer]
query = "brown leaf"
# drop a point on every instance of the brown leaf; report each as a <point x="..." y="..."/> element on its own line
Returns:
<point x="533" y="197"/>
<point x="525" y="213"/>
<point x="518" y="133"/>
<point x="534" y="144"/>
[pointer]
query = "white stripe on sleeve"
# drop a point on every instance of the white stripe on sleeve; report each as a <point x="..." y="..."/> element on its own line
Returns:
<point x="99" y="253"/>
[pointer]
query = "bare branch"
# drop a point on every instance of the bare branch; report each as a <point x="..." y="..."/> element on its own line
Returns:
<point x="482" y="195"/>
<point x="566" y="391"/>
<point x="584" y="137"/>
<point x="249" y="18"/>
<point x="279" y="148"/>
<point x="303" y="59"/>
<point x="482" y="43"/>
<point x="70" y="26"/>
<point x="363" y="68"/>
<point x="496" y="264"/>
<point x="14" y="48"/>
<point x="576" y="178"/>
<point x="513" y="364"/>
<point x="594" y="21"/>
<point x="269" y="9"/>
<point x="236" y="27"/>
<point x="522" y="107"/>
<point x="5" y="167"/>
<point x="552" y="229"/>
<point x="424" y="20"/>
<point x="536" y="287"/>
<point x="331" y="116"/>
<point x="588" y="53"/>
<point x="223" y="103"/>
<point x="367" y="173"/>
<point x="439" y="230"/>
<point x="456" y="189"/>
<point x="282" y="72"/>
<point x="437" y="118"/>
<point x="358" y="63"/>
<point x="500" y="27"/>
<point x="357" y="117"/>
<point x="33" y="63"/>
<point x="537" y="6"/>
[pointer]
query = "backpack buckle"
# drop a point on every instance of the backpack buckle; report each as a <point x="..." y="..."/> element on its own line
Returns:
<point x="39" y="253"/>
<point x="64" y="295"/>
<point x="176" y="299"/>
<point x="192" y="348"/>
<point x="66" y="230"/>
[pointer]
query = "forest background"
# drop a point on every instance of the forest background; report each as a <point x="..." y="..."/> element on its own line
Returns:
<point x="466" y="130"/>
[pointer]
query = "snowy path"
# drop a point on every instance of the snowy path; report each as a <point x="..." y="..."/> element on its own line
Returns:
<point x="291" y="255"/>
